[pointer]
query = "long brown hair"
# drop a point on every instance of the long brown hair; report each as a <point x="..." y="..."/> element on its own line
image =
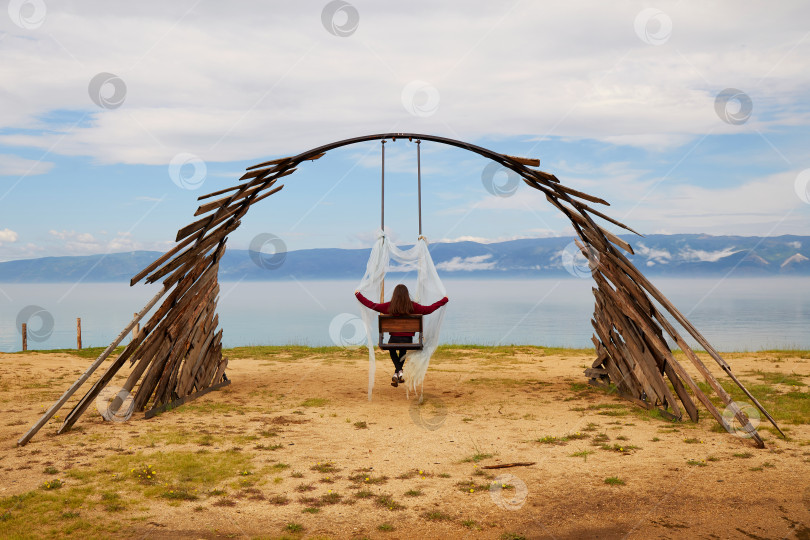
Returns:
<point x="400" y="301"/>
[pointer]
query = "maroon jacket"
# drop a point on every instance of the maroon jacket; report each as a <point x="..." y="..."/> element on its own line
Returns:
<point x="418" y="309"/>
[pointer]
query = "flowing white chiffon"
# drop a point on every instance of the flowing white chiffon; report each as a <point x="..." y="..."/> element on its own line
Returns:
<point x="429" y="289"/>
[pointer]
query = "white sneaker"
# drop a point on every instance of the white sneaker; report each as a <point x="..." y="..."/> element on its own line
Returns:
<point x="400" y="376"/>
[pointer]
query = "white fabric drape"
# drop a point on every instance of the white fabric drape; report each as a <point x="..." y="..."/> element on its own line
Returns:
<point x="429" y="289"/>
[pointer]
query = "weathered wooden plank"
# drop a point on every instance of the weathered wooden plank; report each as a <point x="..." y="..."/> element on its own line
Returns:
<point x="530" y="162"/>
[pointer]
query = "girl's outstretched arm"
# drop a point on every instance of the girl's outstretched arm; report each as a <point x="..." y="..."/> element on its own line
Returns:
<point x="427" y="310"/>
<point x="382" y="308"/>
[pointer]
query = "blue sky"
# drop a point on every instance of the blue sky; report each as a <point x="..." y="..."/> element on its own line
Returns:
<point x="619" y="100"/>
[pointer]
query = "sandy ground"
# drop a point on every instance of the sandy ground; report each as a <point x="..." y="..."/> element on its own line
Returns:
<point x="476" y="402"/>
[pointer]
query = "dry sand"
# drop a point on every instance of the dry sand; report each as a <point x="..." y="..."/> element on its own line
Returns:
<point x="476" y="402"/>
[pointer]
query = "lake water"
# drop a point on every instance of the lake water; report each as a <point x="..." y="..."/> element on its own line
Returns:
<point x="734" y="314"/>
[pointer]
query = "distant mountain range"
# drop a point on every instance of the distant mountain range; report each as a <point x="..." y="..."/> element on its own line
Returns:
<point x="683" y="255"/>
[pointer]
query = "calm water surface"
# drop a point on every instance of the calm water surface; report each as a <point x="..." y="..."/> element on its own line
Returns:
<point x="734" y="314"/>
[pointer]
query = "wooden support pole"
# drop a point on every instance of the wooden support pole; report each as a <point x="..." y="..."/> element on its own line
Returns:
<point x="136" y="330"/>
<point x="24" y="337"/>
<point x="81" y="380"/>
<point x="78" y="333"/>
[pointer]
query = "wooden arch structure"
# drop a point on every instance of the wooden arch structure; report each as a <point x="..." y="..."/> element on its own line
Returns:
<point x="177" y="355"/>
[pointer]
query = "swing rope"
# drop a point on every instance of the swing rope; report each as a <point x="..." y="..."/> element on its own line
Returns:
<point x="419" y="180"/>
<point x="382" y="210"/>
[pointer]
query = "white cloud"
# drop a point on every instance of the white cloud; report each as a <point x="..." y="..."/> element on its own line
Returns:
<point x="690" y="254"/>
<point x="7" y="235"/>
<point x="11" y="165"/>
<point x="459" y="264"/>
<point x="653" y="255"/>
<point x="207" y="83"/>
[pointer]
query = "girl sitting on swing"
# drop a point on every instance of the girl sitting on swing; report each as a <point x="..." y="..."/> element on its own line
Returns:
<point x="400" y="304"/>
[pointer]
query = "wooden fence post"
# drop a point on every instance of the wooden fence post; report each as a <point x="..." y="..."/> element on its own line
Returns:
<point x="136" y="330"/>
<point x="24" y="336"/>
<point x="78" y="333"/>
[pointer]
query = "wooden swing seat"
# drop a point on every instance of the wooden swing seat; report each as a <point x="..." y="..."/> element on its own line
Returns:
<point x="400" y="323"/>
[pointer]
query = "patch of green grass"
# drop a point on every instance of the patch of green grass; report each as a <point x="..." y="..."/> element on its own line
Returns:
<point x="696" y="463"/>
<point x="366" y="478"/>
<point x="311" y="510"/>
<point x="182" y="469"/>
<point x="614" y="481"/>
<point x="743" y="455"/>
<point x="294" y="527"/>
<point x="512" y="536"/>
<point x="361" y="425"/>
<point x="56" y="483"/>
<point x="470" y="524"/>
<point x="181" y="494"/>
<point x="385" y="527"/>
<point x="773" y="377"/>
<point x="692" y="440"/>
<point x="436" y="515"/>
<point x="475" y="458"/>
<point x="621" y="448"/>
<point x="413" y="493"/>
<point x="51" y="470"/>
<point x="551" y="439"/>
<point x="364" y="494"/>
<point x="324" y="467"/>
<point x="583" y="454"/>
<point x="387" y="501"/>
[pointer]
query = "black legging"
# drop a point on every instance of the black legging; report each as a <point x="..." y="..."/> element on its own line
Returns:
<point x="397" y="354"/>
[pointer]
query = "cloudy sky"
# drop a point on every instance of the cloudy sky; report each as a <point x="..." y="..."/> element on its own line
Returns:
<point x="686" y="117"/>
